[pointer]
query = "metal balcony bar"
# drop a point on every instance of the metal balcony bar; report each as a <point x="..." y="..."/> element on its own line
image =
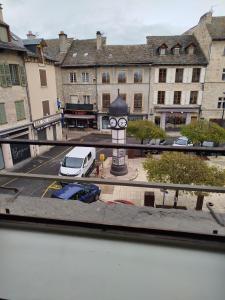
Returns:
<point x="169" y="186"/>
<point x="115" y="146"/>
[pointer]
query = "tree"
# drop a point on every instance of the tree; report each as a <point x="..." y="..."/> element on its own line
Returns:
<point x="203" y="130"/>
<point x="180" y="168"/>
<point x="144" y="129"/>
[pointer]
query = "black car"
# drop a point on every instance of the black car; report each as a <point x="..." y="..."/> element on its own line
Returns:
<point x="155" y="142"/>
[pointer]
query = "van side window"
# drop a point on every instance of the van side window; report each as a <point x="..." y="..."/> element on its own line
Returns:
<point x="89" y="156"/>
<point x="85" y="161"/>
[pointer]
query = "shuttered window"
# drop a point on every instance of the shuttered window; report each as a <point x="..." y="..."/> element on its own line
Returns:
<point x="46" y="108"/>
<point x="43" y="77"/>
<point x="137" y="102"/>
<point x="161" y="97"/>
<point x="2" y="114"/>
<point x="177" y="97"/>
<point x="3" y="81"/>
<point x="22" y="74"/>
<point x="196" y="74"/>
<point x="105" y="101"/>
<point x="14" y="71"/>
<point x="20" y="110"/>
<point x="193" y="97"/>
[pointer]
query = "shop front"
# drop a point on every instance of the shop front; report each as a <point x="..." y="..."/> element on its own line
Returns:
<point x="172" y="119"/>
<point x="80" y="116"/>
<point x="12" y="154"/>
<point x="47" y="128"/>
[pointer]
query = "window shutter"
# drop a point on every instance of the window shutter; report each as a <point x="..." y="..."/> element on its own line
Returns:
<point x="22" y="75"/>
<point x="169" y="97"/>
<point x="20" y="110"/>
<point x="188" y="95"/>
<point x="200" y="94"/>
<point x="3" y="80"/>
<point x="8" y="75"/>
<point x="155" y="97"/>
<point x="2" y="114"/>
<point x="202" y="75"/>
<point x="183" y="97"/>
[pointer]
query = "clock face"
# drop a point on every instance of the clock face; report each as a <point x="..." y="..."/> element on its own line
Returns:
<point x="122" y="122"/>
<point x="113" y="122"/>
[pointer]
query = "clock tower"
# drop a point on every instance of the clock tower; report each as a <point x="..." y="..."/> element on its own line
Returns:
<point x="118" y="111"/>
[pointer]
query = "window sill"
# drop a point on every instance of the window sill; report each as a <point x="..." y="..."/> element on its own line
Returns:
<point x="44" y="86"/>
<point x="21" y="119"/>
<point x="3" y="123"/>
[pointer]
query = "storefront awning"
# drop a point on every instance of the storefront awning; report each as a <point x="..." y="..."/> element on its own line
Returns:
<point x="86" y="117"/>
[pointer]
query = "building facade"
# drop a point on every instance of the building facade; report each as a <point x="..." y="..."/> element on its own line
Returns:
<point x="41" y="79"/>
<point x="210" y="33"/>
<point x="14" y="105"/>
<point x="161" y="80"/>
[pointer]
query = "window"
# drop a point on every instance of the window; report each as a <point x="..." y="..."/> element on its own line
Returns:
<point x="123" y="96"/>
<point x="42" y="134"/>
<point x="74" y="99"/>
<point x="161" y="97"/>
<point x="176" y="51"/>
<point x="162" y="51"/>
<point x="105" y="101"/>
<point x="191" y="50"/>
<point x="14" y="71"/>
<point x="105" y="77"/>
<point x="73" y="77"/>
<point x="221" y="103"/>
<point x="177" y="97"/>
<point x="3" y="34"/>
<point x="85" y="77"/>
<point x="196" y="74"/>
<point x="122" y="77"/>
<point x="179" y="75"/>
<point x="162" y="75"/>
<point x="137" y="76"/>
<point x="193" y="97"/>
<point x="45" y="107"/>
<point x="223" y="75"/>
<point x="2" y="114"/>
<point x="20" y="110"/>
<point x="89" y="156"/>
<point x="43" y="77"/>
<point x="86" y="99"/>
<point x="138" y="101"/>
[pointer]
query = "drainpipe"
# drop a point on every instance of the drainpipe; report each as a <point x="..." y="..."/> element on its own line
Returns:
<point x="96" y="95"/>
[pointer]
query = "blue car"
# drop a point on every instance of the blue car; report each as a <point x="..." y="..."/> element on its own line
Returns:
<point x="74" y="191"/>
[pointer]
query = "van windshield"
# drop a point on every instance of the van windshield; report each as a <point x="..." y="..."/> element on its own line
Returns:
<point x="72" y="162"/>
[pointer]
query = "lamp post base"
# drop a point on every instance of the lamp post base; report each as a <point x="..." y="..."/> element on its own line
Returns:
<point x="119" y="170"/>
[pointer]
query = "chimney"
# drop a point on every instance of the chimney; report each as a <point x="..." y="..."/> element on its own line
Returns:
<point x="206" y="18"/>
<point x="1" y="14"/>
<point x="99" y="40"/>
<point x="63" y="43"/>
<point x="31" y="36"/>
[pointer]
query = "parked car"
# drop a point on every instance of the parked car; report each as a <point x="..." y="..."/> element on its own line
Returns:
<point x="74" y="191"/>
<point x="155" y="142"/>
<point x="182" y="142"/>
<point x="79" y="162"/>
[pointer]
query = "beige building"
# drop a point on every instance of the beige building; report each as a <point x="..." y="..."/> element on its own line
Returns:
<point x="161" y="80"/>
<point x="41" y="78"/>
<point x="14" y="106"/>
<point x="210" y="33"/>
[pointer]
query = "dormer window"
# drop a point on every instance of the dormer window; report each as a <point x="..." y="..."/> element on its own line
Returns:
<point x="176" y="49"/>
<point x="162" y="49"/>
<point x="190" y="49"/>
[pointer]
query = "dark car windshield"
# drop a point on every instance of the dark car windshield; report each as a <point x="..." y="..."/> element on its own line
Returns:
<point x="72" y="162"/>
<point x="181" y="142"/>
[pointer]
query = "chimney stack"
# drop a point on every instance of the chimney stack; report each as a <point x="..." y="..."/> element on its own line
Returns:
<point x="1" y="14"/>
<point x="63" y="43"/>
<point x="206" y="18"/>
<point x="99" y="40"/>
<point x="31" y="36"/>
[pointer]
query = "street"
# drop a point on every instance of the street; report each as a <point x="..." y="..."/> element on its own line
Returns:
<point x="49" y="164"/>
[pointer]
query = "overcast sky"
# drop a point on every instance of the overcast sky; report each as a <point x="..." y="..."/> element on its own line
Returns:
<point x="121" y="21"/>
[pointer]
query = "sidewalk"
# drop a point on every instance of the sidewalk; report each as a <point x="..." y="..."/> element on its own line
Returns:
<point x="136" y="194"/>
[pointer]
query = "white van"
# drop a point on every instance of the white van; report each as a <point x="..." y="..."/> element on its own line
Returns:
<point x="78" y="162"/>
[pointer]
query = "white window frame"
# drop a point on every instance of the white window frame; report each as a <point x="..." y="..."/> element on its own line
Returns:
<point x="85" y="77"/>
<point x="73" y="77"/>
<point x="86" y="99"/>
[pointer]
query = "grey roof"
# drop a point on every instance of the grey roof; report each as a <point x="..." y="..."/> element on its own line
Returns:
<point x="14" y="45"/>
<point x="84" y="53"/>
<point x="52" y="49"/>
<point x="32" y="41"/>
<point x="217" y="28"/>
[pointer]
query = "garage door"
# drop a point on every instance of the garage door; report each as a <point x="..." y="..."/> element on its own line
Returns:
<point x="20" y="151"/>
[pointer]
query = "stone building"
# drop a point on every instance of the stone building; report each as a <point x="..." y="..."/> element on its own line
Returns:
<point x="14" y="105"/>
<point x="41" y="78"/>
<point x="210" y="33"/>
<point x="161" y="80"/>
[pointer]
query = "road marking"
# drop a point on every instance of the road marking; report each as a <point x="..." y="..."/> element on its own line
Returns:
<point x="48" y="187"/>
<point x="35" y="168"/>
